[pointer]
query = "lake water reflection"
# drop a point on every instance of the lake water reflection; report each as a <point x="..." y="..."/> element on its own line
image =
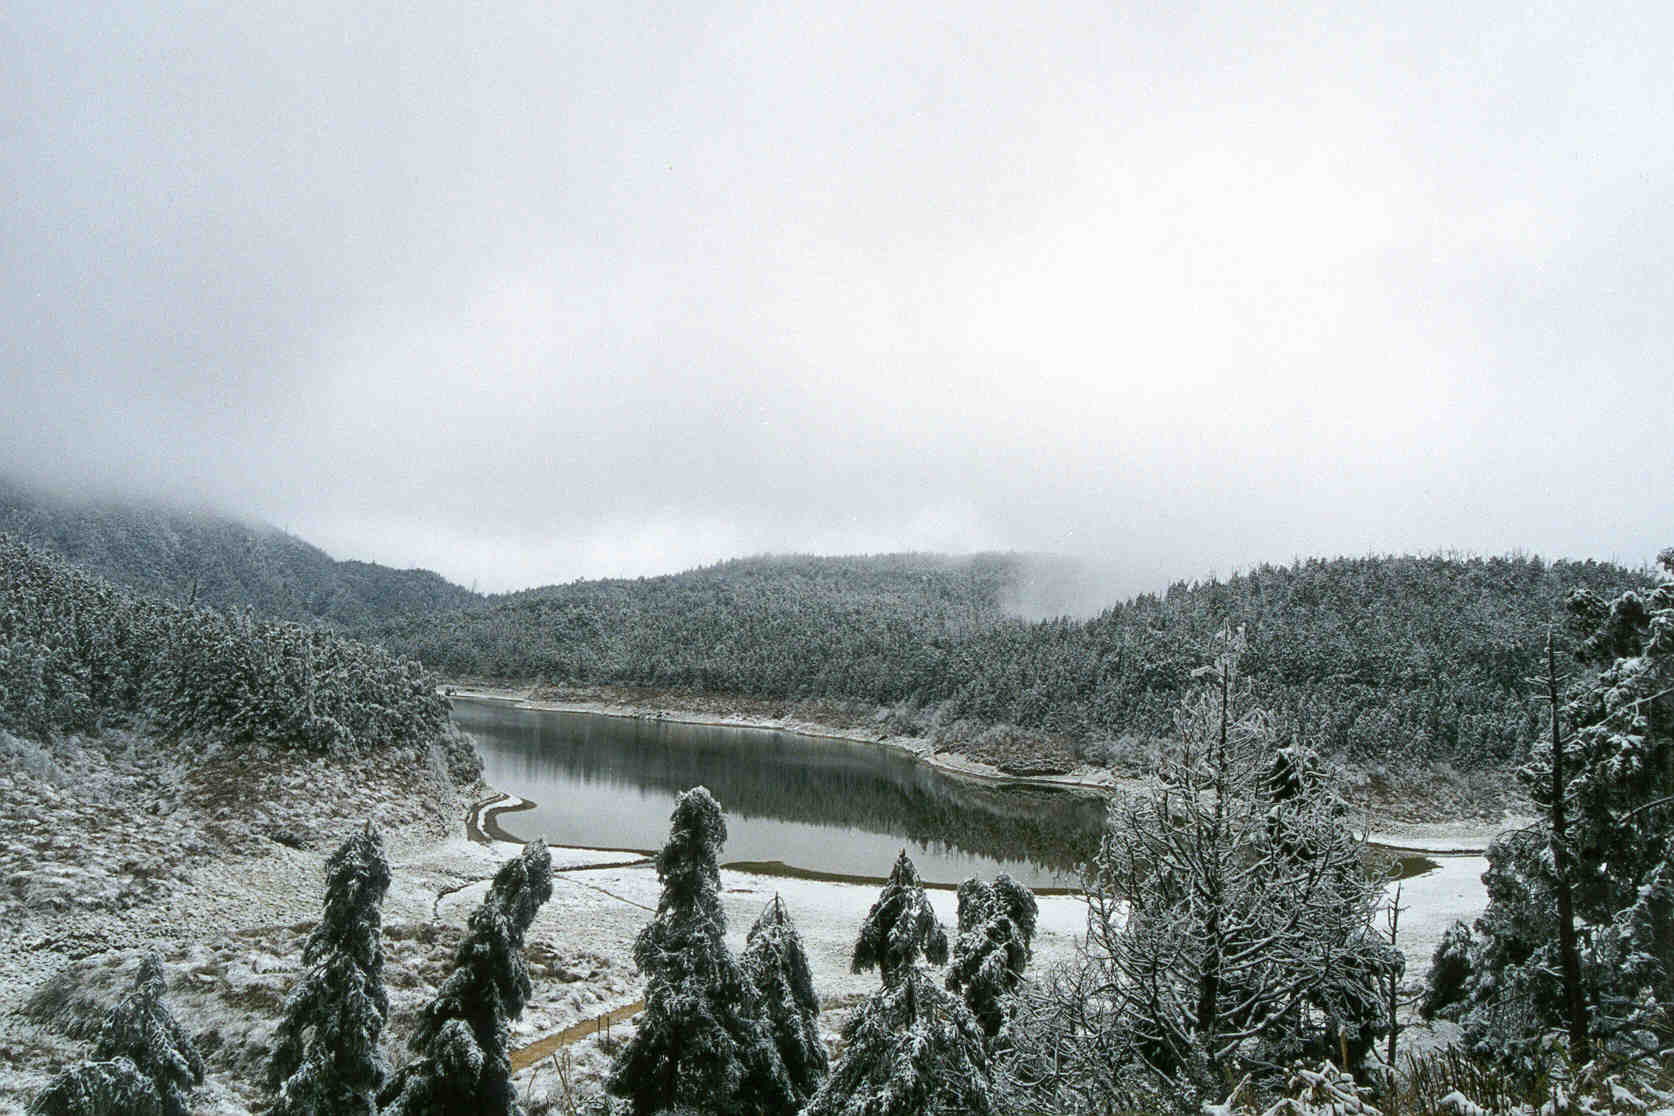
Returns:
<point x="814" y="804"/>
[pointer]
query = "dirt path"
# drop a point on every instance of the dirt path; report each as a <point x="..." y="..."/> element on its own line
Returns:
<point x="489" y="831"/>
<point x="526" y="1056"/>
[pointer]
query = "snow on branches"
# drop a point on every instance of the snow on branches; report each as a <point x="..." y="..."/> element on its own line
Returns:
<point x="996" y="924"/>
<point x="463" y="1063"/>
<point x="339" y="1004"/>
<point x="702" y="1040"/>
<point x="775" y="963"/>
<point x="142" y="1060"/>
<point x="911" y="1048"/>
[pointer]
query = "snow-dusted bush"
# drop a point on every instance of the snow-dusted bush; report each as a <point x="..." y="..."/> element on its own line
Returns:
<point x="911" y="1048"/>
<point x="113" y="1088"/>
<point x="326" y="1060"/>
<point x="701" y="1042"/>
<point x="463" y="1061"/>
<point x="777" y="967"/>
<point x="142" y="1060"/>
<point x="996" y="925"/>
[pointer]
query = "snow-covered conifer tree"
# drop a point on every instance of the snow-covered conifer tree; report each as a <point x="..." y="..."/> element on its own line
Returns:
<point x="326" y="1061"/>
<point x="701" y="1041"/>
<point x="901" y="927"/>
<point x="912" y="1048"/>
<point x="463" y="1063"/>
<point x="996" y="925"/>
<point x="142" y="1060"/>
<point x="1605" y="779"/>
<point x="113" y="1088"/>
<point x="776" y="965"/>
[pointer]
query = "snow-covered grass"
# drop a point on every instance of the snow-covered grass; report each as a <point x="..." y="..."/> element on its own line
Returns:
<point x="112" y="846"/>
<point x="213" y="856"/>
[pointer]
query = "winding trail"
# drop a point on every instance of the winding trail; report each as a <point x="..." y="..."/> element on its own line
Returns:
<point x="482" y="826"/>
<point x="525" y="1056"/>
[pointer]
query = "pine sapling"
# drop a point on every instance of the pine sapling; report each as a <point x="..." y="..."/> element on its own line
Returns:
<point x="776" y="965"/>
<point x="463" y="1063"/>
<point x="700" y="1043"/>
<point x="326" y="1061"/>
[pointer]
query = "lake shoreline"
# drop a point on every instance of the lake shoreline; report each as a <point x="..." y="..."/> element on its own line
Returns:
<point x="1446" y="838"/>
<point x="1085" y="777"/>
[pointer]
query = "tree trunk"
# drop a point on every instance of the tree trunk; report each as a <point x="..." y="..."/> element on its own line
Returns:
<point x="1567" y="952"/>
<point x="1394" y="981"/>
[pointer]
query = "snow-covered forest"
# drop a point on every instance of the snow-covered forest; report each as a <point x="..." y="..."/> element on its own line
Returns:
<point x="1231" y="952"/>
<point x="1372" y="659"/>
<point x="860" y="559"/>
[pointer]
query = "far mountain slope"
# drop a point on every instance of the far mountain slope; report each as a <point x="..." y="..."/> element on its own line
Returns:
<point x="216" y="560"/>
<point x="1399" y="660"/>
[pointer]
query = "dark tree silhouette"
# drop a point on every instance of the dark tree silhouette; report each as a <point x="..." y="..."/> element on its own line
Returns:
<point x="463" y="1063"/>
<point x="701" y="1041"/>
<point x="326" y="1060"/>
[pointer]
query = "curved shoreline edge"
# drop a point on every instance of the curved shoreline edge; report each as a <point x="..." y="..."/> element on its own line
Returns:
<point x="948" y="763"/>
<point x="1448" y="839"/>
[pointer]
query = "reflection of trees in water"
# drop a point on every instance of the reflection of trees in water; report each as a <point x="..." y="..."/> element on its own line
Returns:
<point x="761" y="773"/>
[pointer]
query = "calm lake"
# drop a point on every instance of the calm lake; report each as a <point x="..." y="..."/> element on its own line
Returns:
<point x="811" y="803"/>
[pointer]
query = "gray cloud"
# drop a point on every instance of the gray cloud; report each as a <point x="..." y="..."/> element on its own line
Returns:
<point x="529" y="293"/>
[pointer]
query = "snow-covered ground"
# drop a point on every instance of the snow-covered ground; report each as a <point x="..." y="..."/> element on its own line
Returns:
<point x="1432" y="902"/>
<point x="106" y="850"/>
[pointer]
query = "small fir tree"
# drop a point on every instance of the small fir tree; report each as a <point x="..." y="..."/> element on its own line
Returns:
<point x="326" y="1061"/>
<point x="1604" y="778"/>
<point x="911" y="1048"/>
<point x="901" y="927"/>
<point x="113" y="1088"/>
<point x="463" y="1066"/>
<point x="142" y="1060"/>
<point x="996" y="925"/>
<point x="701" y="1042"/>
<point x="776" y="965"/>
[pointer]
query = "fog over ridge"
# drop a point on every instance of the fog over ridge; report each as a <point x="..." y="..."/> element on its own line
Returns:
<point x="538" y="293"/>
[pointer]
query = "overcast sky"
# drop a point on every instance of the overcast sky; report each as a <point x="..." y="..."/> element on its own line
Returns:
<point x="527" y="293"/>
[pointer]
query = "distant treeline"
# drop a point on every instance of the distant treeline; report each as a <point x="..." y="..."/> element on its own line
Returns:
<point x="208" y="559"/>
<point x="1421" y="659"/>
<point x="78" y="654"/>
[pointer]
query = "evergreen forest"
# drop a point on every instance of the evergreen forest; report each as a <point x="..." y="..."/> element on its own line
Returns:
<point x="1367" y="659"/>
<point x="1424" y="659"/>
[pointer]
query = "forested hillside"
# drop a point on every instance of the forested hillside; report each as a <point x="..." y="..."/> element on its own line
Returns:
<point x="1418" y="658"/>
<point x="1422" y="659"/>
<point x="216" y="560"/>
<point x="78" y="655"/>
